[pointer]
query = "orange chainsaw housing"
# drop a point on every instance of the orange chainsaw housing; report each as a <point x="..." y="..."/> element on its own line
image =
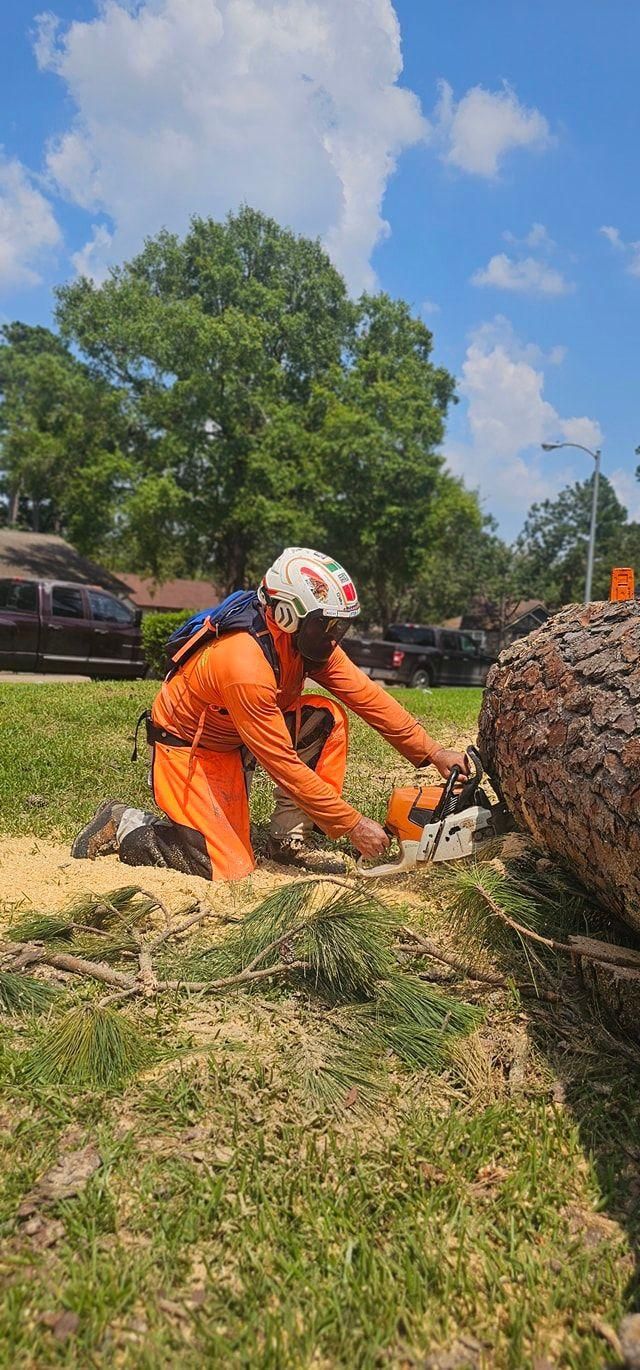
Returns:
<point x="410" y="808"/>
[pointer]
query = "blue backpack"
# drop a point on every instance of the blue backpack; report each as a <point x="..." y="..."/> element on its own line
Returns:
<point x="240" y="611"/>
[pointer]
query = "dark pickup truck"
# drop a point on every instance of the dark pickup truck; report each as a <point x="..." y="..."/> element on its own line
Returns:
<point x="81" y="629"/>
<point x="421" y="657"/>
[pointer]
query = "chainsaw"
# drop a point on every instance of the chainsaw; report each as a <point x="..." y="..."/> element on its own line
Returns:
<point x="441" y="822"/>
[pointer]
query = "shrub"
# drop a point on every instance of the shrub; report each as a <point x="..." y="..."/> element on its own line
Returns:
<point x="156" y="630"/>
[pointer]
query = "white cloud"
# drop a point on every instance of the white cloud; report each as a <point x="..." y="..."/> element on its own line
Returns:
<point x="627" y="489"/>
<point x="429" y="307"/>
<point x="94" y="258"/>
<point x="537" y="236"/>
<point x="527" y="276"/>
<point x="507" y="420"/>
<point x="613" y="234"/>
<point x="28" y="228"/>
<point x="631" y="250"/>
<point x="194" y="106"/>
<point x="476" y="132"/>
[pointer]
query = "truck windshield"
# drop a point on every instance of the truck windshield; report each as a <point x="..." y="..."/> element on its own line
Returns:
<point x="412" y="634"/>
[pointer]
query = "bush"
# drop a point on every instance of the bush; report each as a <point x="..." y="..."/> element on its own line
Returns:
<point x="156" y="630"/>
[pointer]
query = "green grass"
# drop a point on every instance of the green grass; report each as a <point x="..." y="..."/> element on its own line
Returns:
<point x="234" y="1221"/>
<point x="70" y="746"/>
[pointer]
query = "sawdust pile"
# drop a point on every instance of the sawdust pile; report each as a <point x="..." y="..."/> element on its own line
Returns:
<point x="36" y="874"/>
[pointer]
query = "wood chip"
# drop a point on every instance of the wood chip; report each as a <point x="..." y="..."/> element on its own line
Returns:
<point x="66" y="1178"/>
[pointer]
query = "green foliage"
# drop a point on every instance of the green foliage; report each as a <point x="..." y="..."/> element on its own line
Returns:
<point x="476" y="890"/>
<point x="331" y="1066"/>
<point x="63" y="439"/>
<point x="90" y="1047"/>
<point x="156" y="631"/>
<point x="23" y="994"/>
<point x="342" y="935"/>
<point x="414" y="1020"/>
<point x="379" y="423"/>
<point x="215" y="341"/>
<point x="552" y="548"/>
<point x="118" y="908"/>
<point x="41" y="927"/>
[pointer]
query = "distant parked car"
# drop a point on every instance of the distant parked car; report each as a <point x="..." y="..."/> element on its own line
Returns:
<point x="61" y="627"/>
<point x="420" y="656"/>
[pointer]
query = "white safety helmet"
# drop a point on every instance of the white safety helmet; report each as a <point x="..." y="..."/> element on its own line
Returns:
<point x="312" y="595"/>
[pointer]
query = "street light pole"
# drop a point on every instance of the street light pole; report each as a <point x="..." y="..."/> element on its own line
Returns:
<point x="597" y="455"/>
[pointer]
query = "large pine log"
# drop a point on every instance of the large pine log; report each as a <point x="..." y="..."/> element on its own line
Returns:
<point x="560" y="738"/>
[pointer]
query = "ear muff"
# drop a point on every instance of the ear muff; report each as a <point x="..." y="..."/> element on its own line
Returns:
<point x="285" y="615"/>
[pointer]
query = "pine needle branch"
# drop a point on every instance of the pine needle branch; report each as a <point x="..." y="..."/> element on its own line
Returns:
<point x="91" y="1045"/>
<point x="22" y="994"/>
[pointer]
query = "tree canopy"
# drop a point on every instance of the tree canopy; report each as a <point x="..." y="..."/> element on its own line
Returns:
<point x="220" y="396"/>
<point x="552" y="548"/>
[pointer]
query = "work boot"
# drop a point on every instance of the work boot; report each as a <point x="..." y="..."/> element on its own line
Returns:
<point x="296" y="851"/>
<point x="98" y="837"/>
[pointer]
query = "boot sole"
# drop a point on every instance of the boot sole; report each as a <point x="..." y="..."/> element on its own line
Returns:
<point x="97" y="835"/>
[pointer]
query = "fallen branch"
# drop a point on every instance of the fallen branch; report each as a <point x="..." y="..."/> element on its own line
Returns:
<point x="77" y="965"/>
<point x="198" y="915"/>
<point x="470" y="972"/>
<point x="425" y="947"/>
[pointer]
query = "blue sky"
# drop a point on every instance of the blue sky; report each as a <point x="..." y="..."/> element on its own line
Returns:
<point x="464" y="155"/>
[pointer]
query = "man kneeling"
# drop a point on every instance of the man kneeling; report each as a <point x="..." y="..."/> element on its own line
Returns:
<point x="236" y="698"/>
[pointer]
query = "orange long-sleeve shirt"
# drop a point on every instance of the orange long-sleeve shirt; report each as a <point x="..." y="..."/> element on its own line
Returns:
<point x="228" y="692"/>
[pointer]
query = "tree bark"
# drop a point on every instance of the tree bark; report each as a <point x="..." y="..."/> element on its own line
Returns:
<point x="560" y="739"/>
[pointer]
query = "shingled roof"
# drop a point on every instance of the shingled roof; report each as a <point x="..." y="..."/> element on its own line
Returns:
<point x="171" y="594"/>
<point x="42" y="556"/>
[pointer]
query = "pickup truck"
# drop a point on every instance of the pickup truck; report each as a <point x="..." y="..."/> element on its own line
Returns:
<point x="421" y="657"/>
<point x="57" y="626"/>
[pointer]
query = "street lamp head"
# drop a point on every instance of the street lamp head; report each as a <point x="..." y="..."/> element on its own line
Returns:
<point x="550" y="446"/>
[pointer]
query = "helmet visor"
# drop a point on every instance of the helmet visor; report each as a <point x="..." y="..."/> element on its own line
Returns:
<point x="317" y="636"/>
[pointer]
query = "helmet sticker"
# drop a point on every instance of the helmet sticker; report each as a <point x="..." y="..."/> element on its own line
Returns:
<point x="317" y="585"/>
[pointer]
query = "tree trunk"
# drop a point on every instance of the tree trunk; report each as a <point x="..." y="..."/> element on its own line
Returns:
<point x="560" y="738"/>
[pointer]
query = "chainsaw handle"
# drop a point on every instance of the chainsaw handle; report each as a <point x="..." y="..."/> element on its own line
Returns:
<point x="466" y="795"/>
<point x="406" y="862"/>
<point x="442" y="807"/>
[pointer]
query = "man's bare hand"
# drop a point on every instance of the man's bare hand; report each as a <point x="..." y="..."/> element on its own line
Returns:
<point x="369" y="838"/>
<point x="446" y="759"/>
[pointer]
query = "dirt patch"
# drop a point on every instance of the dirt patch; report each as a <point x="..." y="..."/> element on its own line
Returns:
<point x="41" y="875"/>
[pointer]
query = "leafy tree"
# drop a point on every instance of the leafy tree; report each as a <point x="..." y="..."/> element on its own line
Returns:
<point x="466" y="562"/>
<point x="217" y="341"/>
<point x="552" y="547"/>
<point x="59" y="438"/>
<point x="379" y="421"/>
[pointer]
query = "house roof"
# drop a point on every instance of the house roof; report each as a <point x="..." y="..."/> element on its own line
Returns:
<point x="171" y="594"/>
<point x="42" y="556"/>
<point x="482" y="614"/>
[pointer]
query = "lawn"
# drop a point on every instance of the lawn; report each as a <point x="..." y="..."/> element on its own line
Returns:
<point x="483" y="1215"/>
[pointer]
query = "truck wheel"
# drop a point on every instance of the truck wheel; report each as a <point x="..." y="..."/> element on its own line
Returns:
<point x="421" y="679"/>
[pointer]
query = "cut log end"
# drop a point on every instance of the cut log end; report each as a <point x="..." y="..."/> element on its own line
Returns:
<point x="560" y="738"/>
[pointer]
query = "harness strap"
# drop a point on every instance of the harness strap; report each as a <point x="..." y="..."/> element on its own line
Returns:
<point x="196" y="738"/>
<point x="145" y="717"/>
<point x="155" y="734"/>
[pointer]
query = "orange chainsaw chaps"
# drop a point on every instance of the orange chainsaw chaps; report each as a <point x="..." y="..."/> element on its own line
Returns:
<point x="206" y="791"/>
<point x="410" y="808"/>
